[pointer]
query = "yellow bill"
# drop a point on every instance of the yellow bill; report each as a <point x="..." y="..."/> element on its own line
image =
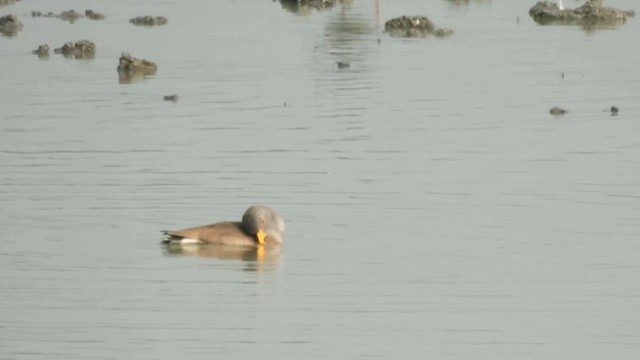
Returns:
<point x="261" y="236"/>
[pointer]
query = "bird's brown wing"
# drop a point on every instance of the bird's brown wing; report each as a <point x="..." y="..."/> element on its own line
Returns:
<point x="223" y="233"/>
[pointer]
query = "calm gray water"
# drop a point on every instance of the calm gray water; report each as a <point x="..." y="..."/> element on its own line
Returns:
<point x="434" y="208"/>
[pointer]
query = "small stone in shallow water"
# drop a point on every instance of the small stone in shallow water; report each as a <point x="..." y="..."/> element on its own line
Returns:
<point x="614" y="110"/>
<point x="343" y="65"/>
<point x="173" y="98"/>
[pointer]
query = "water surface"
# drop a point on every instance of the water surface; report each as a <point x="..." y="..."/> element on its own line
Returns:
<point x="433" y="206"/>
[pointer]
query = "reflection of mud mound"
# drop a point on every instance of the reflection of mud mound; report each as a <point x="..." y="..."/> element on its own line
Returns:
<point x="130" y="78"/>
<point x="10" y="25"/>
<point x="414" y="26"/>
<point x="131" y="65"/>
<point x="590" y="15"/>
<point x="305" y="7"/>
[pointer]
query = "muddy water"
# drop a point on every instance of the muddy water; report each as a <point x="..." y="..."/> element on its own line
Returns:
<point x="433" y="206"/>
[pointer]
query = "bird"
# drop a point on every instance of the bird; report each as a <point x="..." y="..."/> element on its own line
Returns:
<point x="260" y="226"/>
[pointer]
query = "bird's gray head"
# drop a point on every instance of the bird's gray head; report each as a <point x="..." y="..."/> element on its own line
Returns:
<point x="264" y="223"/>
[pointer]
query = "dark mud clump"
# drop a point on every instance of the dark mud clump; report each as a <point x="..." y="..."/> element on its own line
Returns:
<point x="131" y="69"/>
<point x="305" y="7"/>
<point x="557" y="111"/>
<point x="83" y="49"/>
<point x="70" y="15"/>
<point x="149" y="20"/>
<point x="7" y="2"/>
<point x="42" y="51"/>
<point x="93" y="15"/>
<point x="590" y="14"/>
<point x="10" y="25"/>
<point x="414" y="26"/>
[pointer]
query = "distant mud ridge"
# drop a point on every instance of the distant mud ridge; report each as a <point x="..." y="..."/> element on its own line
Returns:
<point x="414" y="26"/>
<point x="70" y="15"/>
<point x="590" y="14"/>
<point x="83" y="49"/>
<point x="304" y="7"/>
<point x="149" y="20"/>
<point x="10" y="25"/>
<point x="130" y="68"/>
<point x="7" y="2"/>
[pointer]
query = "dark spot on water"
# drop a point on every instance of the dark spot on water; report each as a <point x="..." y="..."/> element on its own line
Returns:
<point x="614" y="110"/>
<point x="557" y="111"/>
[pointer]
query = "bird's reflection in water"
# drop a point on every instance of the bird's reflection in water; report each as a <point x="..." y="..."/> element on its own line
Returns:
<point x="261" y="258"/>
